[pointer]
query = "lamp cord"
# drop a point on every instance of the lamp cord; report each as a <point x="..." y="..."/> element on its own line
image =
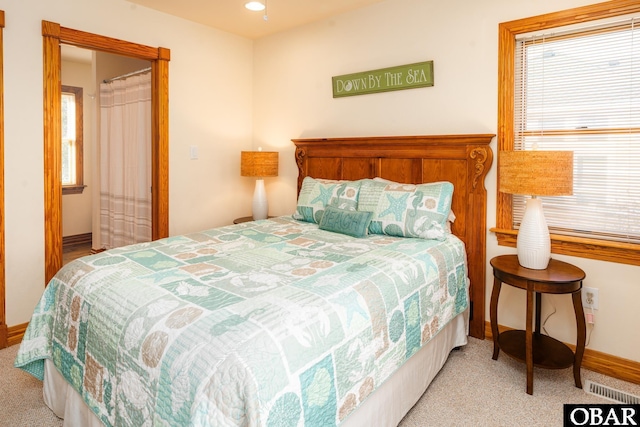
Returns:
<point x="589" y="330"/>
<point x="547" y="318"/>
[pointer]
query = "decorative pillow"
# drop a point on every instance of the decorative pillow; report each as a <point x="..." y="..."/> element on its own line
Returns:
<point x="351" y="223"/>
<point x="450" y="219"/>
<point x="407" y="210"/>
<point x="316" y="194"/>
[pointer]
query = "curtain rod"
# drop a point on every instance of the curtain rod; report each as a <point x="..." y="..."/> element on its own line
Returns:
<point x="133" y="73"/>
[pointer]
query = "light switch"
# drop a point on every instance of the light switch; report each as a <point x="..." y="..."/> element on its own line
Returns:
<point x="193" y="152"/>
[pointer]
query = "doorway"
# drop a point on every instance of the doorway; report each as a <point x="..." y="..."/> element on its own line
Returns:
<point x="106" y="154"/>
<point x="53" y="35"/>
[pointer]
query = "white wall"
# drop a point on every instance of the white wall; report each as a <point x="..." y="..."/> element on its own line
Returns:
<point x="293" y="99"/>
<point x="210" y="103"/>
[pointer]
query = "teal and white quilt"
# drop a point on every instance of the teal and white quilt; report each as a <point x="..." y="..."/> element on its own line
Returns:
<point x="265" y="323"/>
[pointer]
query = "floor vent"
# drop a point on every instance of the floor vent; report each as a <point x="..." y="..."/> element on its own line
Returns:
<point x="610" y="393"/>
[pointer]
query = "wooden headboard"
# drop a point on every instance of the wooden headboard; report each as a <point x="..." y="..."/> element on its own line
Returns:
<point x="463" y="160"/>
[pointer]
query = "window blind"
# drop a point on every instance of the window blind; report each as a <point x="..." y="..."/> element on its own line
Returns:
<point x="579" y="90"/>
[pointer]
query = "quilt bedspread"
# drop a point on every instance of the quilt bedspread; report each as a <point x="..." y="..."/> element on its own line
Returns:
<point x="266" y="323"/>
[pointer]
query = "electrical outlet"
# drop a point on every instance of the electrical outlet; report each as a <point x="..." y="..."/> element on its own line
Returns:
<point x="590" y="298"/>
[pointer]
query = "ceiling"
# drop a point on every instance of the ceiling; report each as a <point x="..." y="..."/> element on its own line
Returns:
<point x="75" y="54"/>
<point x="233" y="17"/>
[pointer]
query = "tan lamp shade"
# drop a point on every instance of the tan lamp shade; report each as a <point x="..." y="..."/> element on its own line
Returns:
<point x="536" y="173"/>
<point x="259" y="163"/>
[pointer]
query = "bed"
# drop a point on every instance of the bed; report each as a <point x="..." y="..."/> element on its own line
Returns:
<point x="330" y="316"/>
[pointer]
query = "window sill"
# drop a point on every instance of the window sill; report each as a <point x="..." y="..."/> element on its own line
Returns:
<point x="72" y="189"/>
<point x="623" y="253"/>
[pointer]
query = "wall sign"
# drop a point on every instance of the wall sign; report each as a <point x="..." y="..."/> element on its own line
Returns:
<point x="401" y="77"/>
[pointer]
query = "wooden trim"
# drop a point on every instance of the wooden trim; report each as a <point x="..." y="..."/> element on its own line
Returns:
<point x="53" y="35"/>
<point x="4" y="340"/>
<point x="578" y="15"/>
<point x="73" y="189"/>
<point x="596" y="361"/>
<point x="604" y="250"/>
<point x="3" y="321"/>
<point x="108" y="44"/>
<point x="160" y="145"/>
<point x="52" y="148"/>
<point x="77" y="239"/>
<point x="507" y="32"/>
<point x="463" y="160"/>
<point x="612" y="366"/>
<point x="15" y="333"/>
<point x="506" y="64"/>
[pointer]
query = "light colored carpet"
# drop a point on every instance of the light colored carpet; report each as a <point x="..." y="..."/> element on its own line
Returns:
<point x="471" y="390"/>
<point x="21" y="403"/>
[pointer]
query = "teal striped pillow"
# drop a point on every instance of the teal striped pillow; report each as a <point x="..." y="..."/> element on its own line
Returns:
<point x="351" y="223"/>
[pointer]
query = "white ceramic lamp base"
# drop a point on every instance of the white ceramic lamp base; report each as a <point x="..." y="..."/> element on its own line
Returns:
<point x="534" y="242"/>
<point x="260" y="205"/>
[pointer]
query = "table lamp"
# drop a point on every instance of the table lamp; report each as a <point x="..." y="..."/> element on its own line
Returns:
<point x="535" y="173"/>
<point x="259" y="164"/>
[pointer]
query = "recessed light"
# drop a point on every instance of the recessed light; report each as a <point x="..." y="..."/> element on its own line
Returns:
<point x="254" y="5"/>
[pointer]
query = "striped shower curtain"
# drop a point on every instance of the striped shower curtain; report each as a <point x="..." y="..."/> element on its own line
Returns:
<point x="125" y="161"/>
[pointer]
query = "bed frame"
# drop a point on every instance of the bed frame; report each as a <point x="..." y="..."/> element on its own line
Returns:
<point x="463" y="160"/>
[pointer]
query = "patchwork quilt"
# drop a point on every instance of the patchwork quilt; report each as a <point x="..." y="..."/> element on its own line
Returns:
<point x="265" y="323"/>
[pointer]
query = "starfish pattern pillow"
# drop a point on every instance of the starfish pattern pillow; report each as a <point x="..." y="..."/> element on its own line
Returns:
<point x="407" y="210"/>
<point x="316" y="194"/>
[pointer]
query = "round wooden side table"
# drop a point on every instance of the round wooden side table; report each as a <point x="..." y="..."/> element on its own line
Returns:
<point x="244" y="219"/>
<point x="529" y="346"/>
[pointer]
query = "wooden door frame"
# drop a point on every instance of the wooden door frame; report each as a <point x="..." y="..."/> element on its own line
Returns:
<point x="53" y="35"/>
<point x="3" y="321"/>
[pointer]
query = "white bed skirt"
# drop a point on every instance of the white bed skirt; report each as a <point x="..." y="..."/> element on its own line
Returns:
<point x="384" y="407"/>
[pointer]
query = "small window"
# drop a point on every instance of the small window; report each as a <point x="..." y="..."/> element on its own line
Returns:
<point x="576" y="88"/>
<point x="578" y="91"/>
<point x="72" y="177"/>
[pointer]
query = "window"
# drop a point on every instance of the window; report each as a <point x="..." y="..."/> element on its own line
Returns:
<point x="577" y="90"/>
<point x="72" y="178"/>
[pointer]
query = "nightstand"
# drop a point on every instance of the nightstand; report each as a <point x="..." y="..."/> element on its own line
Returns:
<point x="244" y="219"/>
<point x="529" y="346"/>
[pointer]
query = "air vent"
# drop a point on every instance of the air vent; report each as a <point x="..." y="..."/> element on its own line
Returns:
<point x="610" y="393"/>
